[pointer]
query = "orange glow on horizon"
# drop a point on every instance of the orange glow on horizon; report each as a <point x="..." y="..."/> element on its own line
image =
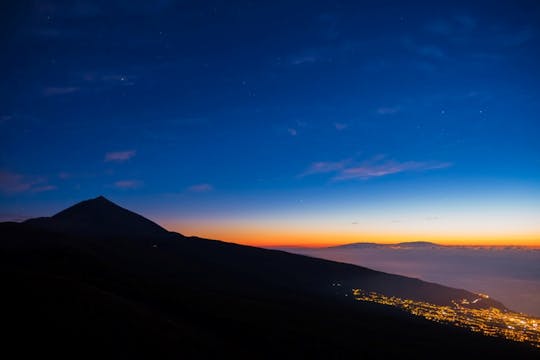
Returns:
<point x="265" y="237"/>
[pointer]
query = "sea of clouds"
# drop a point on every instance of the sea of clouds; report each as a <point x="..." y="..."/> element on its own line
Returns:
<point x="508" y="274"/>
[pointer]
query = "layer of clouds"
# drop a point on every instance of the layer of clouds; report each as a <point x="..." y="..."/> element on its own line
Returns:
<point x="508" y="274"/>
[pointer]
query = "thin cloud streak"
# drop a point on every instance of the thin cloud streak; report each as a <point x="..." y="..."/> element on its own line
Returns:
<point x="119" y="156"/>
<point x="44" y="188"/>
<point x="13" y="183"/>
<point x="200" y="188"/>
<point x="340" y="126"/>
<point x="370" y="170"/>
<point x="292" y="131"/>
<point x="61" y="90"/>
<point x="322" y="167"/>
<point x="128" y="184"/>
<point x="375" y="167"/>
<point x="388" y="110"/>
<point x="308" y="59"/>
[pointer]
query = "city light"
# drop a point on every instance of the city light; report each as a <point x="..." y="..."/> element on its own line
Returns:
<point x="491" y="321"/>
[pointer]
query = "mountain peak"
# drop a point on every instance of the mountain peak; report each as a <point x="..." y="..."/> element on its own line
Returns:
<point x="100" y="217"/>
<point x="100" y="203"/>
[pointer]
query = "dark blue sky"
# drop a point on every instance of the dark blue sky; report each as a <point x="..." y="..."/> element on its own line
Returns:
<point x="276" y="115"/>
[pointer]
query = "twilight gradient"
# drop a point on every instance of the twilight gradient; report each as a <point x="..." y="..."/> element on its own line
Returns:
<point x="278" y="123"/>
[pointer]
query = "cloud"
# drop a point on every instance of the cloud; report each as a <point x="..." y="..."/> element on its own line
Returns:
<point x="306" y="59"/>
<point x="119" y="156"/>
<point x="128" y="184"/>
<point x="340" y="126"/>
<point x="60" y="90"/>
<point x="13" y="183"/>
<point x="517" y="284"/>
<point x="199" y="188"/>
<point x="43" y="188"/>
<point x="388" y="110"/>
<point x="292" y="131"/>
<point x="311" y="56"/>
<point x="322" y="167"/>
<point x="97" y="80"/>
<point x="375" y="167"/>
<point x="371" y="169"/>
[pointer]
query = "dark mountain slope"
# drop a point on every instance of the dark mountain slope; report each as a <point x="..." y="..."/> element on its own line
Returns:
<point x="172" y="295"/>
<point x="174" y="255"/>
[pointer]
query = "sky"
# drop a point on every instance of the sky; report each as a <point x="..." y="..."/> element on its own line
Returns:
<point x="278" y="123"/>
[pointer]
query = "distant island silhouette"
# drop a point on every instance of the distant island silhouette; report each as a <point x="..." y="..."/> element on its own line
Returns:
<point x="415" y="244"/>
<point x="99" y="278"/>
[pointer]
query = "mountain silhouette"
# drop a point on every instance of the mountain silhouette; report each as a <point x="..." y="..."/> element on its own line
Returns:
<point x="370" y="245"/>
<point x="358" y="245"/>
<point x="417" y="244"/>
<point x="100" y="217"/>
<point x="98" y="277"/>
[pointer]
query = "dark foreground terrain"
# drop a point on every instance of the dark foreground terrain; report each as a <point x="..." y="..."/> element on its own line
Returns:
<point x="99" y="280"/>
